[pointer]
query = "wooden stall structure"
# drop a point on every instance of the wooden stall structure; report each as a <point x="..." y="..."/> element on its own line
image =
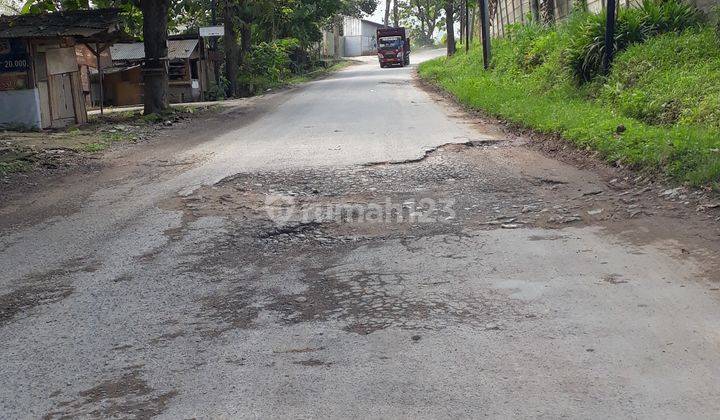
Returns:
<point x="91" y="64"/>
<point x="190" y="71"/>
<point x="41" y="85"/>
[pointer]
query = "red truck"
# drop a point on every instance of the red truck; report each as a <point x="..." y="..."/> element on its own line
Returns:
<point x="393" y="47"/>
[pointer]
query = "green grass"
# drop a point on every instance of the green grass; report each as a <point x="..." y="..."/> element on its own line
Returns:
<point x="13" y="167"/>
<point x="95" y="147"/>
<point x="532" y="84"/>
<point x="673" y="79"/>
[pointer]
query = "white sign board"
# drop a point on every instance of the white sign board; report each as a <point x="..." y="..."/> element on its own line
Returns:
<point x="210" y="31"/>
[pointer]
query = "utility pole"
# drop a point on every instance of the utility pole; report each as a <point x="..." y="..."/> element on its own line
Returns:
<point x="609" y="36"/>
<point x="485" y="32"/>
<point x="214" y="44"/>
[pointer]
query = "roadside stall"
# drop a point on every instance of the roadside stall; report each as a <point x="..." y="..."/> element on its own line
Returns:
<point x="40" y="80"/>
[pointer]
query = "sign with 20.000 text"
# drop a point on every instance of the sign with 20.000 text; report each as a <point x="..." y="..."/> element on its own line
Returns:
<point x="13" y="56"/>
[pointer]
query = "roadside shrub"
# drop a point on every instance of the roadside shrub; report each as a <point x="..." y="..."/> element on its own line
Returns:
<point x="267" y="65"/>
<point x="673" y="78"/>
<point x="584" y="56"/>
<point x="298" y="57"/>
<point x="216" y="92"/>
<point x="662" y="16"/>
<point x="516" y="52"/>
<point x="663" y="88"/>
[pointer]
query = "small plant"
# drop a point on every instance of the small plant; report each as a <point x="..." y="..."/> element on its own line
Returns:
<point x="94" y="147"/>
<point x="152" y="118"/>
<point x="13" y="167"/>
<point x="216" y="92"/>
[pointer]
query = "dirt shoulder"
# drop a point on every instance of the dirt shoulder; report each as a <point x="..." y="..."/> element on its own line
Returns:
<point x="61" y="169"/>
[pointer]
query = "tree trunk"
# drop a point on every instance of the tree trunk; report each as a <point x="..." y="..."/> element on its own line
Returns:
<point x="549" y="12"/>
<point x="462" y="23"/>
<point x="429" y="34"/>
<point x="231" y="50"/>
<point x="155" y="70"/>
<point x="245" y="45"/>
<point x="396" y="14"/>
<point x="473" y="23"/>
<point x="336" y="36"/>
<point x="245" y="42"/>
<point x="450" y="26"/>
<point x="386" y="21"/>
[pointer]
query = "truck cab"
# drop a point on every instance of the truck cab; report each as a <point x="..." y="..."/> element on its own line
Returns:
<point x="393" y="47"/>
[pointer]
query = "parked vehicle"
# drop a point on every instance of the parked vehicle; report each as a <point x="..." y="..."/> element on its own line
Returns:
<point x="393" y="47"/>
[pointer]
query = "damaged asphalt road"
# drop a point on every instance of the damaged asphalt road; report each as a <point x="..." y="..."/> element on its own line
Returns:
<point x="360" y="248"/>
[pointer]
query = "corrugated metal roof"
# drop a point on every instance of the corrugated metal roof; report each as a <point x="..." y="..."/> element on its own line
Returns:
<point x="81" y="23"/>
<point x="371" y="22"/>
<point x="177" y="49"/>
<point x="7" y="10"/>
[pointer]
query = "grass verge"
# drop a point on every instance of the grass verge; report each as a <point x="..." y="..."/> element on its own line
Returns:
<point x="621" y="116"/>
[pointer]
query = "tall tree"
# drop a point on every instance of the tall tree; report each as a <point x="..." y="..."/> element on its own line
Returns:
<point x="155" y="70"/>
<point x="232" y="54"/>
<point x="450" y="26"/>
<point x="387" y="12"/>
<point x="248" y="14"/>
<point x="422" y="17"/>
<point x="396" y="13"/>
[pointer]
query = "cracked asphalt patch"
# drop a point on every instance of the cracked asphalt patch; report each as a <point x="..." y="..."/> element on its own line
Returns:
<point x="478" y="189"/>
<point x="127" y="396"/>
<point x="41" y="288"/>
<point x="490" y="267"/>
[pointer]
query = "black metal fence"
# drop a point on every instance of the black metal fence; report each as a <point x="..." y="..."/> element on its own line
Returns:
<point x="504" y="13"/>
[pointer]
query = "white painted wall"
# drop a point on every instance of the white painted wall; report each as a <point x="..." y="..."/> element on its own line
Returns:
<point x="359" y="37"/>
<point x="352" y="26"/>
<point x="20" y="108"/>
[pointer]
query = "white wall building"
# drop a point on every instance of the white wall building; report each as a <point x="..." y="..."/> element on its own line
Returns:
<point x="359" y="36"/>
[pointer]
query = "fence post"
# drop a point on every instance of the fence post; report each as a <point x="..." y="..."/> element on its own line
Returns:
<point x="535" y="10"/>
<point x="507" y="14"/>
<point x="467" y="26"/>
<point x="499" y="18"/>
<point x="609" y="36"/>
<point x="485" y="32"/>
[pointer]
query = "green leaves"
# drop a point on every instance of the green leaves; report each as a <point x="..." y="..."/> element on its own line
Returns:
<point x="654" y="17"/>
<point x="39" y="6"/>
